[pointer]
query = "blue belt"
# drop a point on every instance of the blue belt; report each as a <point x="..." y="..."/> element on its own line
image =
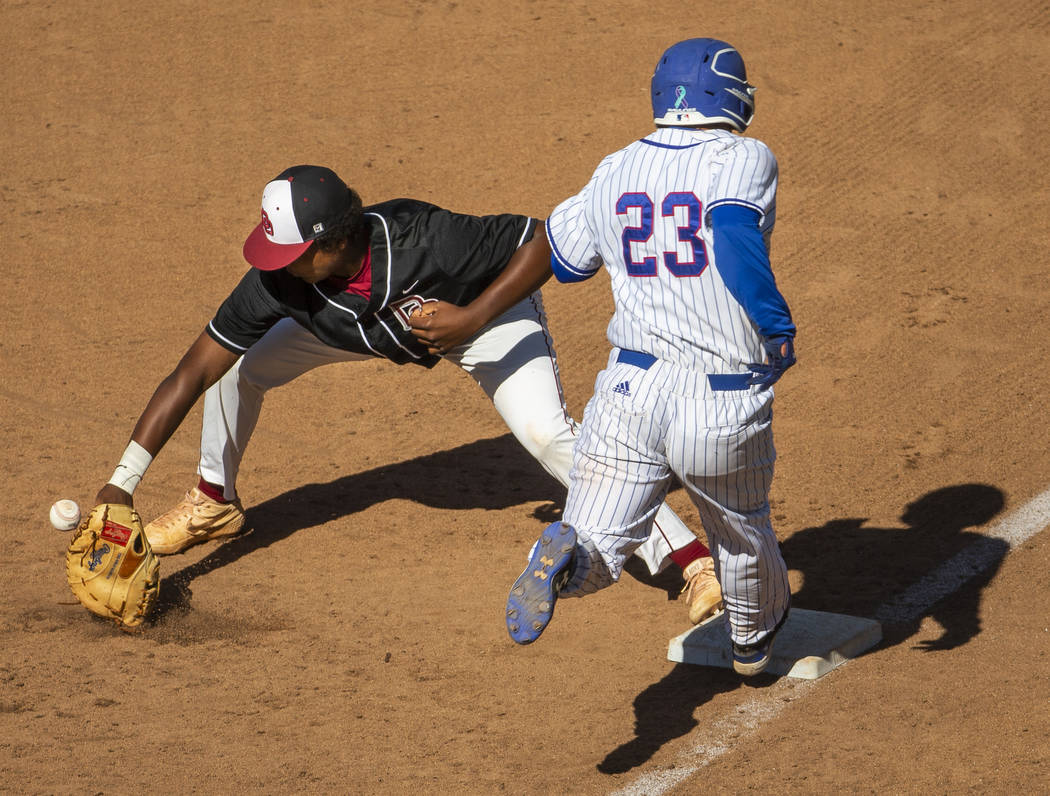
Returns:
<point x="729" y="381"/>
<point x="636" y="358"/>
<point x="719" y="382"/>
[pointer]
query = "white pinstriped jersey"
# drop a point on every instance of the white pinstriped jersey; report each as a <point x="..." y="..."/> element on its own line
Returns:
<point x="645" y="214"/>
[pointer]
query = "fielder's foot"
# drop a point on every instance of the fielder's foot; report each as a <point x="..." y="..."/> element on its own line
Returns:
<point x="530" y="605"/>
<point x="702" y="593"/>
<point x="196" y="519"/>
<point x="752" y="659"/>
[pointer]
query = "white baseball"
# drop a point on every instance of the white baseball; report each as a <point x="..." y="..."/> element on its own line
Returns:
<point x="65" y="515"/>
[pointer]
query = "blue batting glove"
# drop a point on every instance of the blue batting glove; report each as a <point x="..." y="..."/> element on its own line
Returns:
<point x="780" y="353"/>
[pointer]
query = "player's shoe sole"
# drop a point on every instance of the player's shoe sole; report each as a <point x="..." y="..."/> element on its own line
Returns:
<point x="530" y="605"/>
<point x="752" y="659"/>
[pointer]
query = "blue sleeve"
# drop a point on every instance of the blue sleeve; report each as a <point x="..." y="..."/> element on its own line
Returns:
<point x="743" y="263"/>
<point x="561" y="267"/>
<point x="564" y="273"/>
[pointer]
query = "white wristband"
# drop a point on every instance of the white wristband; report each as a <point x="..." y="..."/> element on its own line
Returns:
<point x="133" y="465"/>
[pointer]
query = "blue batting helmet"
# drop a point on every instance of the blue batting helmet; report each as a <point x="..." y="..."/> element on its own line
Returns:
<point x="702" y="81"/>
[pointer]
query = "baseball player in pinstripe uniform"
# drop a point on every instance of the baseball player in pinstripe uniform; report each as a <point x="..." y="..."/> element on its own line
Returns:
<point x="681" y="220"/>
<point x="403" y="280"/>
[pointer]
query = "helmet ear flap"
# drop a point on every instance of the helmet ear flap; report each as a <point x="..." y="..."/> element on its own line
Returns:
<point x="744" y="106"/>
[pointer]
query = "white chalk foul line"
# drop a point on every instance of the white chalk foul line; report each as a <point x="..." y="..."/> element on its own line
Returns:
<point x="999" y="538"/>
<point x="720" y="737"/>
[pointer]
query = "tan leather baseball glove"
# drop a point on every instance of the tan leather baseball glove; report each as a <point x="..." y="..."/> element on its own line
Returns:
<point x="110" y="567"/>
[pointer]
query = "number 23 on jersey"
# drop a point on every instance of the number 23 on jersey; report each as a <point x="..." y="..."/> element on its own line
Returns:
<point x="642" y="232"/>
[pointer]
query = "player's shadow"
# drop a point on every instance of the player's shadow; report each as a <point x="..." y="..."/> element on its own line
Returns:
<point x="492" y="473"/>
<point x="934" y="566"/>
<point x="664" y="711"/>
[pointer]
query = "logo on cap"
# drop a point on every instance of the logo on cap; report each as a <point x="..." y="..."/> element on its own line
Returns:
<point x="298" y="205"/>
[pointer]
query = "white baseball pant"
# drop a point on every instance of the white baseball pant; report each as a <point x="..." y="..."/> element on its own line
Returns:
<point x="642" y="425"/>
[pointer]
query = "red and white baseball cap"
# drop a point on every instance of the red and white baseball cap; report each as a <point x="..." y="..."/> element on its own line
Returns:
<point x="298" y="205"/>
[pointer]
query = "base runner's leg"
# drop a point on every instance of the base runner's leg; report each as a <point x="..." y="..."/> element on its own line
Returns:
<point x="233" y="404"/>
<point x="727" y="470"/>
<point x="514" y="362"/>
<point x="619" y="478"/>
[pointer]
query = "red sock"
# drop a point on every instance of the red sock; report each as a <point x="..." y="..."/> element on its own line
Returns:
<point x="684" y="556"/>
<point x="215" y="492"/>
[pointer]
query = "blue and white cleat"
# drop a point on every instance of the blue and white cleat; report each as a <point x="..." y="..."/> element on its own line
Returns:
<point x="530" y="605"/>
<point x="752" y="659"/>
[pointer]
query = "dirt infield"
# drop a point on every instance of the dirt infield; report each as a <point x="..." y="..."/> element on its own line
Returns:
<point x="354" y="641"/>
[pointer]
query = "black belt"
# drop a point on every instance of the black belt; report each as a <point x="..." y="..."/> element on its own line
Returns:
<point x="719" y="382"/>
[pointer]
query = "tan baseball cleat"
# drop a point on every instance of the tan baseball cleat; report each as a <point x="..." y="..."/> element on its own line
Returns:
<point x="197" y="518"/>
<point x="703" y="594"/>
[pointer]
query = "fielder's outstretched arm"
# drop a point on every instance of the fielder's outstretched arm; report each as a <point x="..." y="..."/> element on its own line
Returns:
<point x="202" y="365"/>
<point x="449" y="325"/>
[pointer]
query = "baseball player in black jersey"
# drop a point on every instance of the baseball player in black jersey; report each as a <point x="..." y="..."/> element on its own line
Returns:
<point x="333" y="281"/>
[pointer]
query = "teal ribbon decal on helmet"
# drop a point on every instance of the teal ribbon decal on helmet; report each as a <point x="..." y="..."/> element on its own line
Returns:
<point x="679" y="97"/>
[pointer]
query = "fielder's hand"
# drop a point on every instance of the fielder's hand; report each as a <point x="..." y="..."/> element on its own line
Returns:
<point x="780" y="355"/>
<point x="442" y="326"/>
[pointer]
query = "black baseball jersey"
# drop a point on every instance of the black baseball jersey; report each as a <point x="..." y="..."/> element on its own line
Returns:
<point x="419" y="252"/>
